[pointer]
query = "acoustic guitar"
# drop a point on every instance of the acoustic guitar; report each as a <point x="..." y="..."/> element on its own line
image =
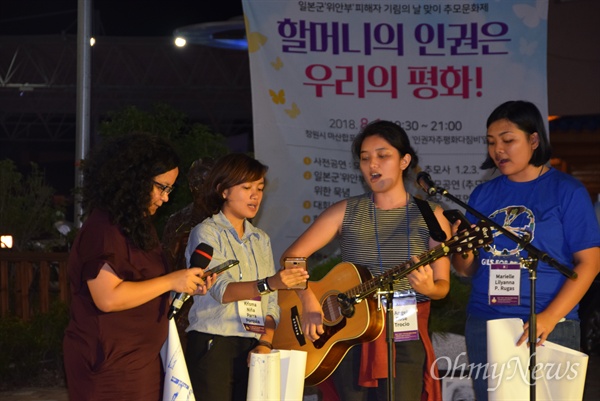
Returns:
<point x="352" y="315"/>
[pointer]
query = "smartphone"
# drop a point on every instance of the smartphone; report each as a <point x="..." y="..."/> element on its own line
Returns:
<point x="453" y="215"/>
<point x="296" y="263"/>
<point x="220" y="268"/>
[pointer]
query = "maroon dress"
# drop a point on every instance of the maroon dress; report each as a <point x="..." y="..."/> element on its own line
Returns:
<point x="115" y="355"/>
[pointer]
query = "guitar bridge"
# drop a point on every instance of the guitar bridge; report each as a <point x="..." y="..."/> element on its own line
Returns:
<point x="297" y="326"/>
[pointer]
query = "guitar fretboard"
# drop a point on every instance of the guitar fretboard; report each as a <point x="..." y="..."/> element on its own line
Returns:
<point x="386" y="279"/>
<point x="466" y="240"/>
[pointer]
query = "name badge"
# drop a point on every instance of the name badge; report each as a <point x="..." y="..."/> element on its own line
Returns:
<point x="505" y="284"/>
<point x="406" y="326"/>
<point x="251" y="315"/>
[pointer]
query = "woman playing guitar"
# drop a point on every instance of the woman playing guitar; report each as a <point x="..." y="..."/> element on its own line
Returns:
<point x="380" y="229"/>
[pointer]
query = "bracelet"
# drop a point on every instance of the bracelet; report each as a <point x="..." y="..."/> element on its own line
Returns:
<point x="265" y="344"/>
<point x="267" y="283"/>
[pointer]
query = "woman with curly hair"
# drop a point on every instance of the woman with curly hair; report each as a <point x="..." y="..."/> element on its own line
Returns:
<point x="117" y="273"/>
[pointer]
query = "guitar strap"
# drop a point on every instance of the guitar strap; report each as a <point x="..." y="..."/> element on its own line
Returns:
<point x="435" y="230"/>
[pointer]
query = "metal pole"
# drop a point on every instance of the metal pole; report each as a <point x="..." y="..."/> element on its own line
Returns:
<point x="84" y="52"/>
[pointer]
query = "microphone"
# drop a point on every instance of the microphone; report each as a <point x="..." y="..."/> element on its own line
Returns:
<point x="201" y="257"/>
<point x="346" y="305"/>
<point x="424" y="180"/>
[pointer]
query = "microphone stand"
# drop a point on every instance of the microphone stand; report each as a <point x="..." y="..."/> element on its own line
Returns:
<point x="389" y="335"/>
<point x="347" y="308"/>
<point x="533" y="256"/>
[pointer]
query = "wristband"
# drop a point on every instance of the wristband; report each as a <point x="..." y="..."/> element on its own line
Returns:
<point x="263" y="287"/>
<point x="267" y="283"/>
<point x="266" y="344"/>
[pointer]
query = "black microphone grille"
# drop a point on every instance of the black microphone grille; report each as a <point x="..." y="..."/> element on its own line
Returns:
<point x="422" y="174"/>
<point x="201" y="256"/>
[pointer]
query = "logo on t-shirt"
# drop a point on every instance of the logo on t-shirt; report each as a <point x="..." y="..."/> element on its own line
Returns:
<point x="517" y="219"/>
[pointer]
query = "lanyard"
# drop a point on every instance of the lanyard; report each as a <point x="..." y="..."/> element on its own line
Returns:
<point x="377" y="231"/>
<point x="235" y="256"/>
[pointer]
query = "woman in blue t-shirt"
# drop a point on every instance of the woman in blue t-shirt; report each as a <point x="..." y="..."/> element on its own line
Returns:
<point x="549" y="207"/>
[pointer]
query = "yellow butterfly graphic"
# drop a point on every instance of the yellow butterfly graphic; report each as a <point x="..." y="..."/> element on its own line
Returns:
<point x="255" y="39"/>
<point x="277" y="64"/>
<point x="294" y="111"/>
<point x="277" y="97"/>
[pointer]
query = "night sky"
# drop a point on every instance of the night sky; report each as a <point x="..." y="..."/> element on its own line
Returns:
<point x="116" y="18"/>
<point x="112" y="17"/>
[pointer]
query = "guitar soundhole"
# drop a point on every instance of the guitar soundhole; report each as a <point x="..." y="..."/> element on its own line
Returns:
<point x="333" y="320"/>
<point x="331" y="309"/>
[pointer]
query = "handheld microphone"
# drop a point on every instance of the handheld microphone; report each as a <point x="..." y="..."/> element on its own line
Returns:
<point x="201" y="257"/>
<point x="424" y="180"/>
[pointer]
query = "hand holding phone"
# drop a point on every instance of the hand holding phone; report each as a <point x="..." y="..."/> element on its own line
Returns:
<point x="296" y="263"/>
<point x="453" y="215"/>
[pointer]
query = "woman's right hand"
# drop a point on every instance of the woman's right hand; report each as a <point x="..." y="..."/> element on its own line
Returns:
<point x="312" y="315"/>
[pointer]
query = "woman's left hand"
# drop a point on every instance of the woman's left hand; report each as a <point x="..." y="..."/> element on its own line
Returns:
<point x="205" y="286"/>
<point x="288" y="278"/>
<point x="545" y="325"/>
<point x="258" y="349"/>
<point x="421" y="279"/>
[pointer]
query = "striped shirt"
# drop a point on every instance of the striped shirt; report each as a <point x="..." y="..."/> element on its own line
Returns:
<point x="383" y="239"/>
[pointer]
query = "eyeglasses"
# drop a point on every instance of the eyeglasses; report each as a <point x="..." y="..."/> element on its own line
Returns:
<point x="164" y="189"/>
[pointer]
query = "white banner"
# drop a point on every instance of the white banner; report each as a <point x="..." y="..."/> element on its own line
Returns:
<point x="322" y="70"/>
<point x="277" y="376"/>
<point x="560" y="371"/>
<point x="178" y="385"/>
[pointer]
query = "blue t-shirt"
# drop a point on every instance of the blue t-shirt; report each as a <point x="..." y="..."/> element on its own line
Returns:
<point x="556" y="211"/>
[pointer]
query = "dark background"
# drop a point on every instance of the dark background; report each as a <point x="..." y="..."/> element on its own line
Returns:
<point x="112" y="17"/>
<point x="573" y="34"/>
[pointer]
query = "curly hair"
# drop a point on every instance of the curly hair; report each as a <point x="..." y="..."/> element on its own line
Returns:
<point x="392" y="133"/>
<point x="228" y="171"/>
<point x="118" y="178"/>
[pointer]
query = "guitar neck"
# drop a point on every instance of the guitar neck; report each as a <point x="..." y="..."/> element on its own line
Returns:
<point x="466" y="240"/>
<point x="386" y="279"/>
